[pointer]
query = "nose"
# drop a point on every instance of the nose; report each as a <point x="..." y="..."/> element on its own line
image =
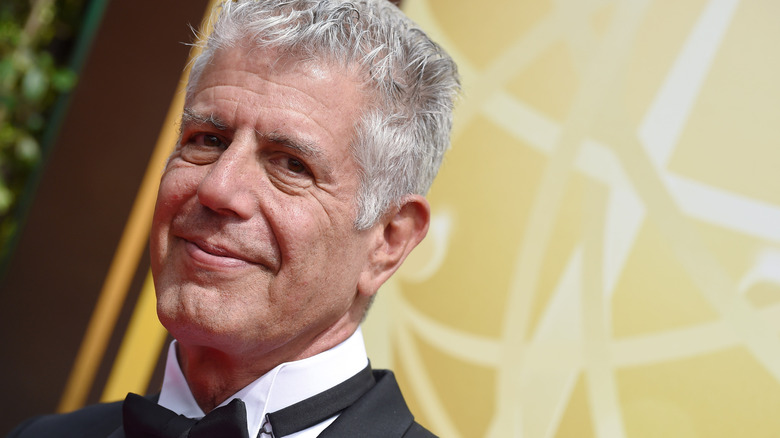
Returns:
<point x="229" y="187"/>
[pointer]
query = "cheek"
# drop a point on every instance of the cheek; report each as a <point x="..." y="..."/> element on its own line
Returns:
<point x="326" y="258"/>
<point x="295" y="223"/>
<point x="176" y="186"/>
<point x="308" y="243"/>
<point x="180" y="182"/>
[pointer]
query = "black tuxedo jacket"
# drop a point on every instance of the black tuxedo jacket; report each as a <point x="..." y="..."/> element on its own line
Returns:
<point x="379" y="413"/>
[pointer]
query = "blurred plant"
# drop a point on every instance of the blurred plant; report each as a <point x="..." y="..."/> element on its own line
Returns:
<point x="36" y="37"/>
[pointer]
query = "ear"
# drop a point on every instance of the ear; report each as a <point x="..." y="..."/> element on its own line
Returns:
<point x="393" y="238"/>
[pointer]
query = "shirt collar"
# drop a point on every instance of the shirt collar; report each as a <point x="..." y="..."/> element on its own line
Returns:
<point x="286" y="384"/>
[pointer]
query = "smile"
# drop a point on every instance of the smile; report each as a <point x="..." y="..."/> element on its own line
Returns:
<point x="210" y="255"/>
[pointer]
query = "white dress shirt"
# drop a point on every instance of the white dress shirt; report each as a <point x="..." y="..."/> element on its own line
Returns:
<point x="283" y="386"/>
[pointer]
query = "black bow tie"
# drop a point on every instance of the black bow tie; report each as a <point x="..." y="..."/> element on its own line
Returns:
<point x="144" y="418"/>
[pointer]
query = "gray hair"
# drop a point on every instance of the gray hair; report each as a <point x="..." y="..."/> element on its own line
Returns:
<point x="400" y="141"/>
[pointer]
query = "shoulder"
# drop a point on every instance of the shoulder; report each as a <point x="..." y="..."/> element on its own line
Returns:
<point x="396" y="404"/>
<point x="379" y="413"/>
<point x="417" y="431"/>
<point x="96" y="420"/>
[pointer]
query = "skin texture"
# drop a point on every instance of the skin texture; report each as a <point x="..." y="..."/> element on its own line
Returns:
<point x="255" y="257"/>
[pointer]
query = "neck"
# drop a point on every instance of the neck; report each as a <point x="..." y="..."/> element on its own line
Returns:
<point x="215" y="374"/>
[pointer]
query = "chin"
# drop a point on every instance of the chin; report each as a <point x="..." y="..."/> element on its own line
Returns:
<point x="192" y="332"/>
<point x="206" y="330"/>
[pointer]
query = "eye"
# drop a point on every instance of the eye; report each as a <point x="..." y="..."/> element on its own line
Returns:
<point x="202" y="148"/>
<point x="296" y="166"/>
<point x="289" y="168"/>
<point x="208" y="140"/>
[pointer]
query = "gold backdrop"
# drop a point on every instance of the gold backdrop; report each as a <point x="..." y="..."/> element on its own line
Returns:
<point x="604" y="257"/>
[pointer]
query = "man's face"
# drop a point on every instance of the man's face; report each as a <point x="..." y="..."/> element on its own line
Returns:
<point x="253" y="246"/>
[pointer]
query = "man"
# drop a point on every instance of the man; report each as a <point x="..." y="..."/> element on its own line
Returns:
<point x="310" y="133"/>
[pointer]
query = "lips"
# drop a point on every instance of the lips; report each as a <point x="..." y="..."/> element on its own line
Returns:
<point x="213" y="242"/>
<point x="209" y="254"/>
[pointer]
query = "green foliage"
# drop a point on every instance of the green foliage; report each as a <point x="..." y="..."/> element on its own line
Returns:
<point x="35" y="38"/>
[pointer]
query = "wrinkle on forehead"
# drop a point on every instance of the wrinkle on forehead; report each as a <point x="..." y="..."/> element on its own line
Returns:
<point x="280" y="63"/>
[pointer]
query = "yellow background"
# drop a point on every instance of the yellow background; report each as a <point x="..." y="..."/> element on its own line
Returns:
<point x="604" y="259"/>
<point x="604" y="255"/>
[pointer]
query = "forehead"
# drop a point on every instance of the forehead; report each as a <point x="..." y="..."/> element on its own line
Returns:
<point x="321" y="84"/>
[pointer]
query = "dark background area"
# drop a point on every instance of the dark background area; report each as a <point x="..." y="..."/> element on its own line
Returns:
<point x="83" y="198"/>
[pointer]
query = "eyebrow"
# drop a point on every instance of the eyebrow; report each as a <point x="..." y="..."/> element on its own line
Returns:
<point x="190" y="116"/>
<point x="307" y="149"/>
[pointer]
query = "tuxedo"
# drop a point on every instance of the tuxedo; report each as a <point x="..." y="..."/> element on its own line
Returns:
<point x="379" y="413"/>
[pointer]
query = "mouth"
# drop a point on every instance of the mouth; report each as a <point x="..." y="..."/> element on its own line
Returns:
<point x="214" y="256"/>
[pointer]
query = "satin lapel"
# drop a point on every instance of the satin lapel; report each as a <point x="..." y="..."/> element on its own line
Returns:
<point x="380" y="413"/>
<point x="119" y="433"/>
